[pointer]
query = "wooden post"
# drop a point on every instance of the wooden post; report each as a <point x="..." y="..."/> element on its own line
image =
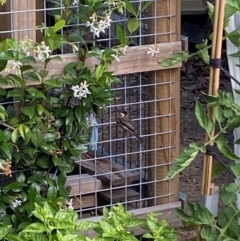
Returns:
<point x="25" y="21"/>
<point x="39" y="19"/>
<point x="23" y="24"/>
<point x="5" y="21"/>
<point x="166" y="28"/>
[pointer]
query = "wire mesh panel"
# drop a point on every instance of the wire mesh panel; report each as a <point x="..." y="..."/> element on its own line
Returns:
<point x="119" y="168"/>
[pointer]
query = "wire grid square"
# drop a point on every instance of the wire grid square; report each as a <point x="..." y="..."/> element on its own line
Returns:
<point x="136" y="94"/>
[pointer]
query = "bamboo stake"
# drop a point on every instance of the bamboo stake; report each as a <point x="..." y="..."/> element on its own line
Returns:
<point x="213" y="88"/>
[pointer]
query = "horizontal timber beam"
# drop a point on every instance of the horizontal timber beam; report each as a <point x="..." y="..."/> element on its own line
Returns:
<point x="136" y="60"/>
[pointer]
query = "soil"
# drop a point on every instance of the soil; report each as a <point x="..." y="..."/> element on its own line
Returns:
<point x="194" y="81"/>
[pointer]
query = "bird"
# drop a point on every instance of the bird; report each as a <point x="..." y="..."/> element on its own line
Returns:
<point x="124" y="120"/>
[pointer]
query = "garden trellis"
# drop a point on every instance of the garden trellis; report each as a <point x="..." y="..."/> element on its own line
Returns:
<point x="121" y="170"/>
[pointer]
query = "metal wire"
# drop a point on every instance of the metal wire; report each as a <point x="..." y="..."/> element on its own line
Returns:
<point x="114" y="145"/>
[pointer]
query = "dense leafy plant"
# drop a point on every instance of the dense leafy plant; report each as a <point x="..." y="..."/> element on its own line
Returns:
<point x="48" y="131"/>
<point x="227" y="116"/>
<point x="63" y="225"/>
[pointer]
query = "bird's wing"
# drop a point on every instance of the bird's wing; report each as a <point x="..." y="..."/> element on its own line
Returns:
<point x="127" y="125"/>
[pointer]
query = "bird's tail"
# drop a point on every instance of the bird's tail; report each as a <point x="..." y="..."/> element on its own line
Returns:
<point x="140" y="139"/>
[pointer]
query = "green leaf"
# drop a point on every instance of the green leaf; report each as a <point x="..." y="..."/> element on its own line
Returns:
<point x="3" y="64"/>
<point x="86" y="225"/>
<point x="59" y="25"/>
<point x="23" y="130"/>
<point x="236" y="169"/>
<point x="210" y="11"/>
<point x="6" y="150"/>
<point x="43" y="162"/>
<point x="70" y="119"/>
<point x="203" y="119"/>
<point x="218" y="113"/>
<point x="36" y="138"/>
<point x="35" y="93"/>
<point x="234" y="37"/>
<point x="99" y="71"/>
<point x="38" y="237"/>
<point x="6" y="56"/>
<point x="225" y="149"/>
<point x="4" y="230"/>
<point x="14" y="186"/>
<point x="227" y="198"/>
<point x="133" y="25"/>
<point x="50" y="137"/>
<point x="13" y="44"/>
<point x="175" y="59"/>
<point x="28" y="111"/>
<point x="52" y="193"/>
<point x="232" y="187"/>
<point x="16" y="93"/>
<point x="208" y="234"/>
<point x="53" y="58"/>
<point x="67" y="215"/>
<point x="130" y="7"/>
<point x="204" y="55"/>
<point x="61" y="180"/>
<point x="34" y="228"/>
<point x="182" y="161"/>
<point x="21" y="176"/>
<point x="121" y="35"/>
<point x="234" y="123"/>
<point x="217" y="169"/>
<point x="14" y="136"/>
<point x="32" y="193"/>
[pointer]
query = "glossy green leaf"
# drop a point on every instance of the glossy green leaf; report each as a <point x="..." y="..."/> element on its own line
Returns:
<point x="130" y="7"/>
<point x="14" y="186"/>
<point x="6" y="56"/>
<point x="3" y="64"/>
<point x="121" y="35"/>
<point x="36" y="138"/>
<point x="6" y="150"/>
<point x="35" y="93"/>
<point x="52" y="193"/>
<point x="14" y="136"/>
<point x="61" y="180"/>
<point x="133" y="25"/>
<point x="21" y="176"/>
<point x="28" y="111"/>
<point x="99" y="71"/>
<point x="59" y="25"/>
<point x="32" y="193"/>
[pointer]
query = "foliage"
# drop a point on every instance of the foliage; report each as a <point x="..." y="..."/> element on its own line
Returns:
<point x="63" y="225"/>
<point x="231" y="7"/>
<point x="226" y="116"/>
<point x="49" y="130"/>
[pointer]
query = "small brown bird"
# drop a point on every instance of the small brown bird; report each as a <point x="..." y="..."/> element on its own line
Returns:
<point x="125" y="122"/>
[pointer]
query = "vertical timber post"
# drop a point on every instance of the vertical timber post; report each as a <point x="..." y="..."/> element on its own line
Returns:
<point x="5" y="21"/>
<point x="165" y="27"/>
<point x="24" y="19"/>
<point x="23" y="24"/>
